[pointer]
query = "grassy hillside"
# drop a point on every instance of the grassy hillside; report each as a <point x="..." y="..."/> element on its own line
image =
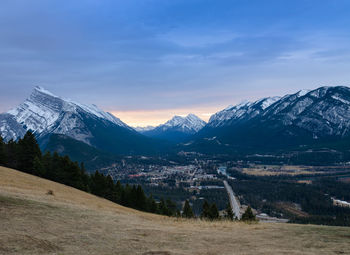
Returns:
<point x="70" y="221"/>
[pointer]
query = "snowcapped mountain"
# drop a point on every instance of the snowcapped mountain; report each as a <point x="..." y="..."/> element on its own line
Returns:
<point x="45" y="114"/>
<point x="144" y="129"/>
<point x="177" y="129"/>
<point x="242" y="111"/>
<point x="306" y="117"/>
<point x="189" y="124"/>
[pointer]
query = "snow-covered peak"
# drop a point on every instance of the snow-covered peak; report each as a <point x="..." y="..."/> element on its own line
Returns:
<point x="144" y="129"/>
<point x="40" y="89"/>
<point x="244" y="109"/>
<point x="42" y="109"/>
<point x="303" y="92"/>
<point x="190" y="123"/>
<point x="266" y="102"/>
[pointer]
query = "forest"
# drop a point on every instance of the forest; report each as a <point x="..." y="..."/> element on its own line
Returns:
<point x="273" y="195"/>
<point x="25" y="155"/>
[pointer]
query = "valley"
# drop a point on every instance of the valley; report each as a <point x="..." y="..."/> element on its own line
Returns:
<point x="280" y="191"/>
<point x="286" y="157"/>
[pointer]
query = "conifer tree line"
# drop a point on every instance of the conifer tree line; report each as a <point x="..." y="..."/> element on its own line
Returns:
<point x="25" y="155"/>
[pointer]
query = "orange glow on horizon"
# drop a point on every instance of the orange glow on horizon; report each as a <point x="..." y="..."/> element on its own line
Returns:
<point x="145" y="118"/>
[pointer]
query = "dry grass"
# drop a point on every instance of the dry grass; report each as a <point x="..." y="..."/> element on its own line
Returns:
<point x="275" y="170"/>
<point x="73" y="222"/>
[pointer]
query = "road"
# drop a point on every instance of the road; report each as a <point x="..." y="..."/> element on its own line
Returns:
<point x="233" y="201"/>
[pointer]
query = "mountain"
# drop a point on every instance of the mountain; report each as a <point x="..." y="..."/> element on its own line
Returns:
<point x="45" y="114"/>
<point x="177" y="129"/>
<point x="144" y="129"/>
<point x="320" y="116"/>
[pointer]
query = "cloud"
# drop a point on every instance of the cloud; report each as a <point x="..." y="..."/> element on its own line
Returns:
<point x="147" y="55"/>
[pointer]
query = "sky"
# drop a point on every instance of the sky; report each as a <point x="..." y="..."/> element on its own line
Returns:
<point x="147" y="60"/>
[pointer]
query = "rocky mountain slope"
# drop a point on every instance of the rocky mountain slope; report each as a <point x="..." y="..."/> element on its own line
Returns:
<point x="303" y="118"/>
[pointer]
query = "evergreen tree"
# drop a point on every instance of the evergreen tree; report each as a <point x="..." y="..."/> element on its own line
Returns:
<point x="38" y="167"/>
<point x="205" y="210"/>
<point x="248" y="215"/>
<point x="152" y="205"/>
<point x="171" y="207"/>
<point x="140" y="199"/>
<point x="12" y="154"/>
<point x="209" y="211"/>
<point x="228" y="212"/>
<point x="28" y="149"/>
<point x="118" y="192"/>
<point x="3" y="158"/>
<point x="214" y="212"/>
<point x="163" y="209"/>
<point x="187" y="210"/>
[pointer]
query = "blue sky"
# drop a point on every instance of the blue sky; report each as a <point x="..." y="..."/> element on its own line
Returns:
<point x="147" y="60"/>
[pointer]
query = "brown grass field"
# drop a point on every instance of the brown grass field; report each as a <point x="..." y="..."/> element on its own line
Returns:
<point x="74" y="222"/>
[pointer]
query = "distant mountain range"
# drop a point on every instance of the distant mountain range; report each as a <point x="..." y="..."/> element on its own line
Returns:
<point x="320" y="116"/>
<point x="305" y="120"/>
<point x="177" y="129"/>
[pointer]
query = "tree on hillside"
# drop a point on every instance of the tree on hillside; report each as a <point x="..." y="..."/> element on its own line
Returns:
<point x="214" y="212"/>
<point x="187" y="210"/>
<point x="205" y="210"/>
<point x="209" y="211"/>
<point x="248" y="215"/>
<point x="141" y="202"/>
<point x="12" y="154"/>
<point x="38" y="167"/>
<point x="228" y="212"/>
<point x="171" y="207"/>
<point x="163" y="209"/>
<point x="152" y="205"/>
<point x="3" y="157"/>
<point x="28" y="149"/>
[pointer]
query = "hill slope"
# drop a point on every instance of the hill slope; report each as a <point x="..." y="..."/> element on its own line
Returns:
<point x="74" y="222"/>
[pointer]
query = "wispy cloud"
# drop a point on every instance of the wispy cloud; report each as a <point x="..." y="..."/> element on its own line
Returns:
<point x="159" y="55"/>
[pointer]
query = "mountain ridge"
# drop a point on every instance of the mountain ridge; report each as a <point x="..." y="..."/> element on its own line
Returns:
<point x="45" y="114"/>
<point x="177" y="128"/>
<point x="302" y="118"/>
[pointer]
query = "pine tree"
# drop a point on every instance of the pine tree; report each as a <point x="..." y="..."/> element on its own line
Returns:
<point x="38" y="167"/>
<point x="28" y="149"/>
<point x="3" y="158"/>
<point x="228" y="212"/>
<point x="210" y="211"/>
<point x="171" y="207"/>
<point x="152" y="205"/>
<point x="248" y="215"/>
<point x="118" y="192"/>
<point x="214" y="212"/>
<point x="187" y="210"/>
<point x="163" y="209"/>
<point x="205" y="210"/>
<point x="12" y="154"/>
<point x="140" y="199"/>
